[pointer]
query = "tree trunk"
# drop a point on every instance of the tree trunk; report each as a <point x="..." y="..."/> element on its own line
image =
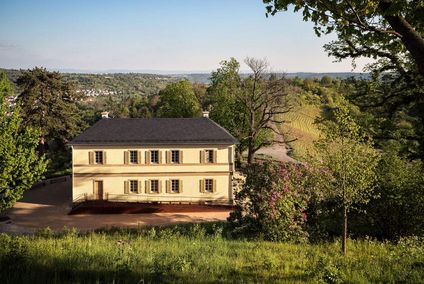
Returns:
<point x="413" y="41"/>
<point x="250" y="153"/>
<point x="344" y="237"/>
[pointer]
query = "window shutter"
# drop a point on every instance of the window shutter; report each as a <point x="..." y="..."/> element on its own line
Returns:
<point x="160" y="157"/>
<point x="147" y="187"/>
<point x="91" y="157"/>
<point x="214" y="185"/>
<point x="139" y="157"/>
<point x="126" y="187"/>
<point x="180" y="190"/>
<point x="168" y="157"/>
<point x="160" y="186"/>
<point x="215" y="152"/>
<point x="139" y="187"/>
<point x="147" y="157"/>
<point x="104" y="157"/>
<point x="126" y="157"/>
<point x="202" y="156"/>
<point x="202" y="185"/>
<point x="181" y="157"/>
<point x="168" y="187"/>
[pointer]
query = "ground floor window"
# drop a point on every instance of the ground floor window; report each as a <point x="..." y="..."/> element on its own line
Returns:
<point x="154" y="186"/>
<point x="209" y="185"/>
<point x="175" y="185"/>
<point x="133" y="186"/>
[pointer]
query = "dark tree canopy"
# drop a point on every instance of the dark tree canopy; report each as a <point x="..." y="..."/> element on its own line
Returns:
<point x="48" y="102"/>
<point x="388" y="30"/>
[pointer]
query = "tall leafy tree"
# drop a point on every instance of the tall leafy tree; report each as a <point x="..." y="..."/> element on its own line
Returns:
<point x="249" y="108"/>
<point x="348" y="164"/>
<point x="48" y="103"/>
<point x="178" y="100"/>
<point x="20" y="165"/>
<point x="390" y="30"/>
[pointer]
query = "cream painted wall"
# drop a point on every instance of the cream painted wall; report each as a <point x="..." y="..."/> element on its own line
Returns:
<point x="114" y="173"/>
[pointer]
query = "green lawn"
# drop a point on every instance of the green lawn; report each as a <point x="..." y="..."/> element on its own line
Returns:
<point x="199" y="254"/>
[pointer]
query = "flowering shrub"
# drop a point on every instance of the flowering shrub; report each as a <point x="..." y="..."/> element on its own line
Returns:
<point x="272" y="203"/>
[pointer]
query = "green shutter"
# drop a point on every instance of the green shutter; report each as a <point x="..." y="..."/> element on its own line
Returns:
<point x="168" y="187"/>
<point x="181" y="186"/>
<point x="214" y="185"/>
<point x="126" y="157"/>
<point x="202" y="185"/>
<point x="126" y="187"/>
<point x="91" y="157"/>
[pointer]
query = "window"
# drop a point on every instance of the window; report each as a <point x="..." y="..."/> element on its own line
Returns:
<point x="209" y="185"/>
<point x="175" y="185"/>
<point x="209" y="156"/>
<point x="154" y="186"/>
<point x="99" y="157"/>
<point x="154" y="157"/>
<point x="133" y="186"/>
<point x="133" y="157"/>
<point x="175" y="156"/>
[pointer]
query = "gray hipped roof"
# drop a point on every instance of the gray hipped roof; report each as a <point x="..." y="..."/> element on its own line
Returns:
<point x="144" y="131"/>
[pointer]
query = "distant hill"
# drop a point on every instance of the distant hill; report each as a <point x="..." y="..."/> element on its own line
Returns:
<point x="205" y="77"/>
<point x="147" y="84"/>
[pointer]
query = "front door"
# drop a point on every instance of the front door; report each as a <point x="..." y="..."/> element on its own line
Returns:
<point x="98" y="189"/>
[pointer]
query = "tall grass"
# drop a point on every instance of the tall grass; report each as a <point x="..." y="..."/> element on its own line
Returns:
<point x="197" y="254"/>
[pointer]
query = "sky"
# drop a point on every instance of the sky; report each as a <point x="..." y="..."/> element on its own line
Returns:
<point x="161" y="35"/>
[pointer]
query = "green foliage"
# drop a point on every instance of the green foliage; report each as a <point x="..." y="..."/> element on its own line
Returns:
<point x="272" y="203"/>
<point x="178" y="100"/>
<point x="398" y="212"/>
<point x="347" y="159"/>
<point x="20" y="166"/>
<point x="49" y="103"/>
<point x="250" y="107"/>
<point x="174" y="254"/>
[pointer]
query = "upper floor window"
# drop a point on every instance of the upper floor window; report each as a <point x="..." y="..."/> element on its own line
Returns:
<point x="133" y="157"/>
<point x="175" y="185"/>
<point x="154" y="157"/>
<point x="133" y="186"/>
<point x="98" y="157"/>
<point x="175" y="156"/>
<point x="209" y="156"/>
<point x="209" y="185"/>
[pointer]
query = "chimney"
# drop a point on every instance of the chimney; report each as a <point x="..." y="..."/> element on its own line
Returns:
<point x="105" y="114"/>
<point x="205" y="113"/>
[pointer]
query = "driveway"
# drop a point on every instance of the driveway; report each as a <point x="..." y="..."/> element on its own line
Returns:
<point x="49" y="205"/>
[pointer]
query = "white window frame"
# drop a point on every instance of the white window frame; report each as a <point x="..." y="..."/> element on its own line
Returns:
<point x="177" y="155"/>
<point x="156" y="182"/>
<point x="131" y="186"/>
<point x="135" y="152"/>
<point x="98" y="157"/>
<point x="175" y="182"/>
<point x="157" y="156"/>
<point x="209" y="183"/>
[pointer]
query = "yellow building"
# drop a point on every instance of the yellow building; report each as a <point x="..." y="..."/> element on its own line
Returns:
<point x="186" y="160"/>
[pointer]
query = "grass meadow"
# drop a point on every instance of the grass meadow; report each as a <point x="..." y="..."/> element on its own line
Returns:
<point x="200" y="253"/>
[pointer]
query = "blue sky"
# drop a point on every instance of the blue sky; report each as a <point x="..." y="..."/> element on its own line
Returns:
<point x="161" y="35"/>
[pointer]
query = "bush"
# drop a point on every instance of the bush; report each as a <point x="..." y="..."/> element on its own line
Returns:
<point x="272" y="203"/>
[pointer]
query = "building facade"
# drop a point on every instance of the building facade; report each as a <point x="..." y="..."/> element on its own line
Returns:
<point x="177" y="160"/>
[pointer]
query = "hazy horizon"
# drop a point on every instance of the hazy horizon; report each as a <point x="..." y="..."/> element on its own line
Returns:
<point x="165" y="36"/>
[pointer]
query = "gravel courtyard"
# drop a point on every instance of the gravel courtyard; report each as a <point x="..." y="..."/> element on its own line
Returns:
<point x="49" y="205"/>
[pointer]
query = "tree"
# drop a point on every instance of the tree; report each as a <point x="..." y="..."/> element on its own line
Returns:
<point x="178" y="100"/>
<point x="225" y="108"/>
<point x="272" y="203"/>
<point x="48" y="103"/>
<point x="249" y="108"/>
<point x="391" y="30"/>
<point x="20" y="166"/>
<point x="265" y="102"/>
<point x="348" y="163"/>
